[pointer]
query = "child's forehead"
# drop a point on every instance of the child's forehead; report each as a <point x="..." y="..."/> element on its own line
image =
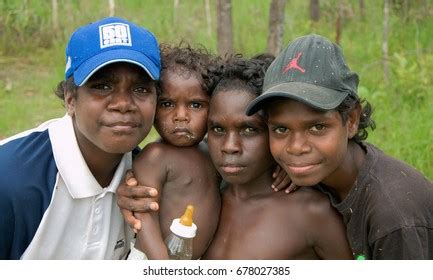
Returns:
<point x="233" y="102"/>
<point x="180" y="73"/>
<point x="182" y="87"/>
<point x="288" y="106"/>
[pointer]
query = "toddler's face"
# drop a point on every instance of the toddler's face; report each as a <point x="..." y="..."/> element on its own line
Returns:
<point x="181" y="114"/>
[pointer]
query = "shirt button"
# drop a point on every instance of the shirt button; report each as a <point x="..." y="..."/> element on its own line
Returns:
<point x="95" y="230"/>
<point x="97" y="211"/>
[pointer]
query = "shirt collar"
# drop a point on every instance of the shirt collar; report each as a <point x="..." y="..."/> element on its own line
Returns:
<point x="77" y="176"/>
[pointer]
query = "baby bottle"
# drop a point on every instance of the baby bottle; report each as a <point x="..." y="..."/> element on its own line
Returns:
<point x="179" y="242"/>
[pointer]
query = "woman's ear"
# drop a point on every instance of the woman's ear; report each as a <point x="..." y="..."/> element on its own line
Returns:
<point x="70" y="99"/>
<point x="353" y="121"/>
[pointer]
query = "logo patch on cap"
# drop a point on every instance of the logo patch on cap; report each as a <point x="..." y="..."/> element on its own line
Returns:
<point x="114" y="34"/>
<point x="293" y="64"/>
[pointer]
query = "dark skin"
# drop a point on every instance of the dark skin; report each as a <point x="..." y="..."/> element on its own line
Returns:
<point x="255" y="222"/>
<point x="111" y="113"/>
<point x="179" y="167"/>
<point x="314" y="146"/>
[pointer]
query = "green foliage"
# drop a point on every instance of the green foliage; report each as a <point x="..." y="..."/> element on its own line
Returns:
<point x="32" y="56"/>
<point x="413" y="78"/>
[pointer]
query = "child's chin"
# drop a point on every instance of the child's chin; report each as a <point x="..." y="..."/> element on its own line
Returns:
<point x="305" y="182"/>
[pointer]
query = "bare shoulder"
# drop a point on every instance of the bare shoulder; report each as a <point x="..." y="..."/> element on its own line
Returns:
<point x="153" y="152"/>
<point x="313" y="202"/>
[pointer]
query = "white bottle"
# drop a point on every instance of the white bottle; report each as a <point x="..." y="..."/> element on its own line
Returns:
<point x="183" y="230"/>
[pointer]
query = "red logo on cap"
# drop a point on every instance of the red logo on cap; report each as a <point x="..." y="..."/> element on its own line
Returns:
<point x="293" y="64"/>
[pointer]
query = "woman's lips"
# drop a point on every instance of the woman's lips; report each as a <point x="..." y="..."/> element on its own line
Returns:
<point x="123" y="127"/>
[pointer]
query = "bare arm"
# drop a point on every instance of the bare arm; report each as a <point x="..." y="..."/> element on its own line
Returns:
<point x="150" y="171"/>
<point x="329" y="233"/>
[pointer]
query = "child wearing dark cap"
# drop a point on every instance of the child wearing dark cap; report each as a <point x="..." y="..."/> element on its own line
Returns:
<point x="58" y="181"/>
<point x="256" y="222"/>
<point x="317" y="127"/>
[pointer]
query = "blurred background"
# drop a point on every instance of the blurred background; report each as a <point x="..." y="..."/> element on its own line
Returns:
<point x="389" y="43"/>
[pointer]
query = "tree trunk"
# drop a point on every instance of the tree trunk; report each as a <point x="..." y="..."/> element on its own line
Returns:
<point x="338" y="23"/>
<point x="276" y="26"/>
<point x="314" y="10"/>
<point x="385" y="40"/>
<point x="362" y="8"/>
<point x="224" y="27"/>
<point x="55" y="16"/>
<point x="208" y="18"/>
<point x="175" y="9"/>
<point x="111" y="7"/>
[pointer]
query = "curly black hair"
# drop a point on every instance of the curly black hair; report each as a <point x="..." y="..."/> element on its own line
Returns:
<point x="365" y="121"/>
<point x="186" y="61"/>
<point x="239" y="73"/>
<point x="66" y="85"/>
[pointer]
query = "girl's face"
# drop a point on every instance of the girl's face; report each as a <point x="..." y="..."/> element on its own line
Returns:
<point x="181" y="114"/>
<point x="238" y="144"/>
<point x="310" y="145"/>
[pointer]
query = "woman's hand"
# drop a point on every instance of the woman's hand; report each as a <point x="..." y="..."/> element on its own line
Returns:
<point x="132" y="197"/>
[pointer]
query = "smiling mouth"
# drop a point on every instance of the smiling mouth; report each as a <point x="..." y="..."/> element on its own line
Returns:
<point x="300" y="169"/>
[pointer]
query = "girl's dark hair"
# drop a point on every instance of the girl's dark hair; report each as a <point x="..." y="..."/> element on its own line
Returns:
<point x="66" y="85"/>
<point x="365" y="121"/>
<point x="186" y="61"/>
<point x="238" y="73"/>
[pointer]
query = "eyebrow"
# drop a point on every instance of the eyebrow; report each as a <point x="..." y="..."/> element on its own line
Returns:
<point x="253" y="123"/>
<point x="313" y="120"/>
<point x="212" y="123"/>
<point x="204" y="100"/>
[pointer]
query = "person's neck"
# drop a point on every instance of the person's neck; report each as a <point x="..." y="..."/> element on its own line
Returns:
<point x="343" y="178"/>
<point x="102" y="164"/>
<point x="258" y="187"/>
<point x="104" y="167"/>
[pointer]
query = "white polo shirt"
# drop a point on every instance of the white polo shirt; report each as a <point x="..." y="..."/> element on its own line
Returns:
<point x="81" y="220"/>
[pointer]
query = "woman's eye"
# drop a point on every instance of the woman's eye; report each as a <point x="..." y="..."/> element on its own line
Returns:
<point x="101" y="86"/>
<point x="141" y="90"/>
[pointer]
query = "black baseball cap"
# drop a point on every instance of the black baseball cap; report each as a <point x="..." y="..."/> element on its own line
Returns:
<point x="312" y="70"/>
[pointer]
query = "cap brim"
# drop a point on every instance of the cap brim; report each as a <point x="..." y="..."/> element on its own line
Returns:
<point x="89" y="67"/>
<point x="318" y="97"/>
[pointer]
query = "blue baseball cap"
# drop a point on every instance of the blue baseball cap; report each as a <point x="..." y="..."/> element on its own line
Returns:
<point x="107" y="41"/>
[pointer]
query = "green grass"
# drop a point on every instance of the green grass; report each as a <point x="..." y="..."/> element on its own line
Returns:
<point x="32" y="57"/>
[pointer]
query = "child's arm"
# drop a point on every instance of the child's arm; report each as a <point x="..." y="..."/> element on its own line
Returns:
<point x="329" y="233"/>
<point x="150" y="170"/>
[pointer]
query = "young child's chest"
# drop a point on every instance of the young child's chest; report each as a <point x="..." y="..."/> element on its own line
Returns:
<point x="257" y="231"/>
